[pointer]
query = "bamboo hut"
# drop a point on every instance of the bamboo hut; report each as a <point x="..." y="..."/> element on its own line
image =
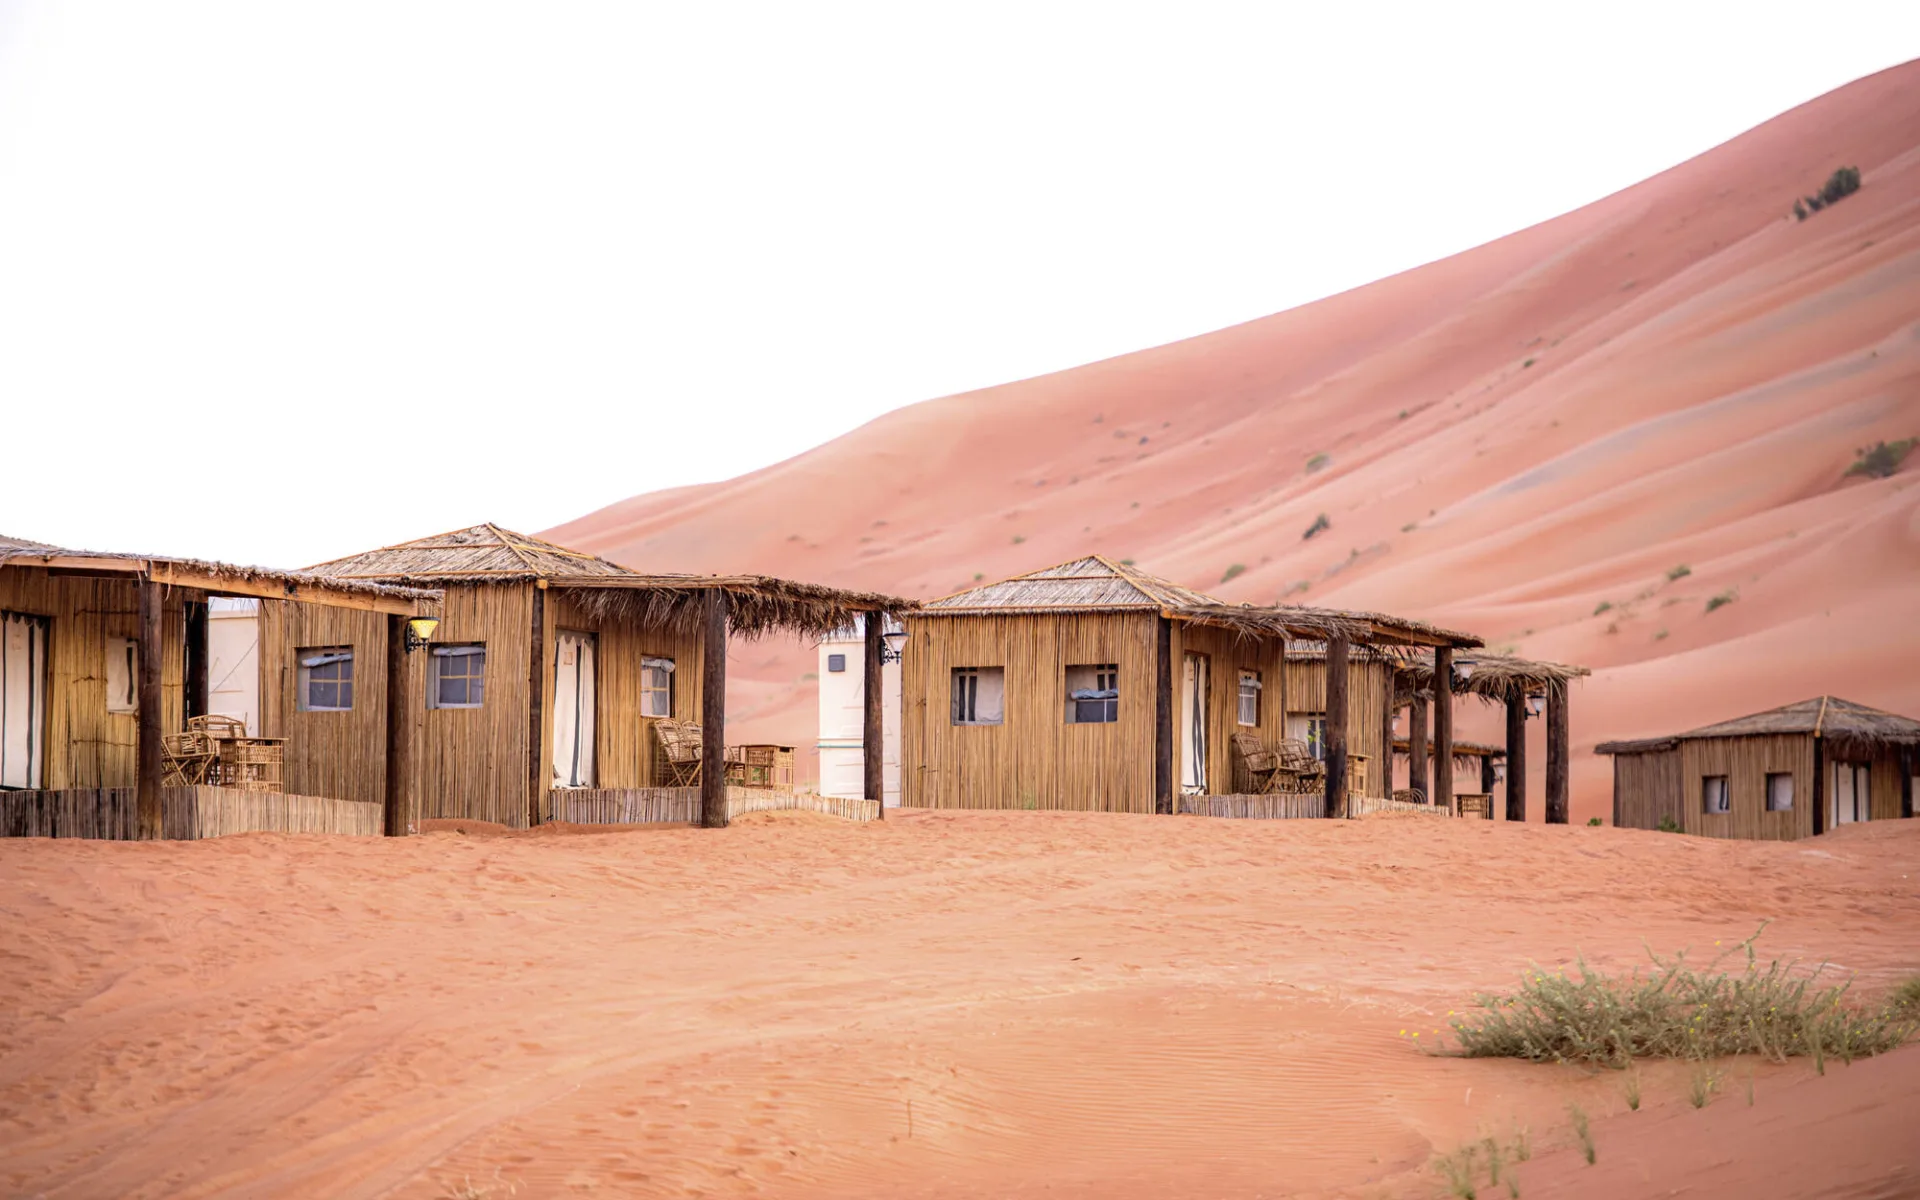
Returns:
<point x="553" y="673"/>
<point x="104" y="658"/>
<point x="1094" y="685"/>
<point x="1786" y="773"/>
<point x="1523" y="687"/>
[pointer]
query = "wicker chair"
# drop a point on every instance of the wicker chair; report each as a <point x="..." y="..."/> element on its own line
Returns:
<point x="1262" y="765"/>
<point x="187" y="759"/>
<point x="683" y="749"/>
<point x="1410" y="795"/>
<point x="1297" y="760"/>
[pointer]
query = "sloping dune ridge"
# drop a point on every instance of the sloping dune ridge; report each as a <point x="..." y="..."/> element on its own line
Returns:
<point x="1524" y="440"/>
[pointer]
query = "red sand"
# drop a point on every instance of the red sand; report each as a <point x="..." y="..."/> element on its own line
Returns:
<point x="946" y="1005"/>
<point x="1679" y="373"/>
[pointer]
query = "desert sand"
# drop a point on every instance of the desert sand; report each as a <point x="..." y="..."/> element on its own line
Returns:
<point x="1504" y="441"/>
<point x="943" y="1005"/>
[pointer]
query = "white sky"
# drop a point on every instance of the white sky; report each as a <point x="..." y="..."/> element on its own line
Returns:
<point x="281" y="281"/>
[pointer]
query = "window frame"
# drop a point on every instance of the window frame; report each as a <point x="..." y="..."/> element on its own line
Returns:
<point x="836" y="664"/>
<point x="972" y="701"/>
<point x="1242" y="695"/>
<point x="1770" y="777"/>
<point x="1098" y="709"/>
<point x="1707" y="783"/>
<point x="304" y="681"/>
<point x="650" y="666"/>
<point x="442" y="654"/>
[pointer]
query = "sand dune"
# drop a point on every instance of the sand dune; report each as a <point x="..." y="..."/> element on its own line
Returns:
<point x="1503" y="441"/>
<point x="944" y="1005"/>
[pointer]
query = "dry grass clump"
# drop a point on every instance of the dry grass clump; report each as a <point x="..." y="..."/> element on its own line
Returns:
<point x="1675" y="1011"/>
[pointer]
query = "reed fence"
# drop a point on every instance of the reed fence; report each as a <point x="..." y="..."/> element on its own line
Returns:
<point x="681" y="806"/>
<point x="186" y="813"/>
<point x="1295" y="806"/>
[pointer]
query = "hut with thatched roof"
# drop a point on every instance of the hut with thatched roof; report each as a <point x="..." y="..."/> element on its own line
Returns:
<point x="1786" y="773"/>
<point x="104" y="681"/>
<point x="558" y="686"/>
<point x="1095" y="685"/>
<point x="1523" y="687"/>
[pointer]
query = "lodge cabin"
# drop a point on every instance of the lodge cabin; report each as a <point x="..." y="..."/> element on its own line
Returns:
<point x="1093" y="685"/>
<point x="1787" y="773"/>
<point x="1522" y="689"/>
<point x="104" y="673"/>
<point x="550" y="687"/>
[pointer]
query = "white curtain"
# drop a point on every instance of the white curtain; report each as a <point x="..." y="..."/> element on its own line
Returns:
<point x="123" y="675"/>
<point x="1193" y="714"/>
<point x="573" y="710"/>
<point x="23" y="701"/>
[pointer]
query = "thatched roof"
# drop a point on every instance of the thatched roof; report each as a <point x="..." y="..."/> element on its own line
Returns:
<point x="1837" y="720"/>
<point x="1461" y="749"/>
<point x="1493" y="677"/>
<point x="205" y="574"/>
<point x="1096" y="584"/>
<point x="489" y="554"/>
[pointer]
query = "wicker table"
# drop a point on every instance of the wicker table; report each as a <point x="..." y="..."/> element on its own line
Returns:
<point x="765" y="766"/>
<point x="251" y="764"/>
<point x="1473" y="804"/>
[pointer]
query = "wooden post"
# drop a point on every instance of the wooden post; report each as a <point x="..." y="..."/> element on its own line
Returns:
<point x="873" y="732"/>
<point x="1387" y="713"/>
<point x="147" y="805"/>
<point x="1443" y="726"/>
<point x="1517" y="755"/>
<point x="1487" y="781"/>
<point x="1906" y="782"/>
<point x="1557" y="755"/>
<point x="1417" y="775"/>
<point x="539" y="775"/>
<point x="713" y="714"/>
<point x="197" y="696"/>
<point x="1819" y="785"/>
<point x="1163" y="718"/>
<point x="1335" y="738"/>
<point x="402" y="707"/>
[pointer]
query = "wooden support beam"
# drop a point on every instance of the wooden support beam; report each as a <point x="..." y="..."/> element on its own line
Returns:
<point x="1906" y="782"/>
<point x="873" y="746"/>
<point x="1336" y="728"/>
<point x="174" y="575"/>
<point x="147" y="797"/>
<point x="1443" y="726"/>
<point x="1418" y="776"/>
<point x="539" y="746"/>
<point x="1387" y="713"/>
<point x="1163" y="718"/>
<point x="1517" y="756"/>
<point x="403" y="709"/>
<point x="713" y="714"/>
<point x="1557" y="764"/>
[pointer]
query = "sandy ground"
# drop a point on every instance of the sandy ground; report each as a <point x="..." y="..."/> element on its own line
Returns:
<point x="946" y="1005"/>
<point x="1522" y="440"/>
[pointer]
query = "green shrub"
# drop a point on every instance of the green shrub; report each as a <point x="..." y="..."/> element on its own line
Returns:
<point x="1659" y="635"/>
<point x="1723" y="599"/>
<point x="1018" y="538"/>
<point x="1679" y="572"/>
<point x="1882" y="459"/>
<point x="1593" y="821"/>
<point x="1841" y="184"/>
<point x="1316" y="462"/>
<point x="1674" y="1011"/>
<point x="1668" y="825"/>
<point x="1905" y="999"/>
<point x="1526" y="364"/>
<point x="1603" y="606"/>
<point x="1320" y="525"/>
<point x="1233" y="570"/>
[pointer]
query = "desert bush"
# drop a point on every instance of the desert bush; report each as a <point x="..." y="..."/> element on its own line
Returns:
<point x="1632" y="1090"/>
<point x="1603" y="606"/>
<point x="1905" y="999"/>
<point x="1316" y="462"/>
<point x="1594" y="821"/>
<point x="1018" y="538"/>
<point x="1702" y="1085"/>
<point x="1723" y="599"/>
<point x="1668" y="825"/>
<point x="1235" y="569"/>
<point x="1675" y="1011"/>
<point x="1320" y="525"/>
<point x="1678" y="572"/>
<point x="1841" y="184"/>
<point x="1882" y="459"/>
<point x="1581" y="1131"/>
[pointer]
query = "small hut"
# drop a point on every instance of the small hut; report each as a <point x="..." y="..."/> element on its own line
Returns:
<point x="558" y="686"/>
<point x="105" y="697"/>
<point x="1524" y="688"/>
<point x="1094" y="685"/>
<point x="1786" y="773"/>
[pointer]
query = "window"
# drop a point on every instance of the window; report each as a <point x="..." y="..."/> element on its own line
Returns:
<point x="979" y="695"/>
<point x="656" y="686"/>
<point x="836" y="663"/>
<point x="1779" y="791"/>
<point x="1093" y="694"/>
<point x="326" y="679"/>
<point x="1310" y="728"/>
<point x="123" y="675"/>
<point x="459" y="677"/>
<point x="1713" y="794"/>
<point x="1249" y="698"/>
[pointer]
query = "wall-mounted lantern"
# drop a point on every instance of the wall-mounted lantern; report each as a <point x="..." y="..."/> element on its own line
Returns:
<point x="420" y="631"/>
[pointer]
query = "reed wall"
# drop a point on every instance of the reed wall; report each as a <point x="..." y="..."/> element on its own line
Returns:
<point x="1646" y="788"/>
<point x="1745" y="761"/>
<point x="626" y="752"/>
<point x="473" y="761"/>
<point x="186" y="812"/>
<point x="1369" y="696"/>
<point x="1034" y="759"/>
<point x="337" y="754"/>
<point x="86" y="746"/>
<point x="1227" y="655"/>
<point x="681" y="805"/>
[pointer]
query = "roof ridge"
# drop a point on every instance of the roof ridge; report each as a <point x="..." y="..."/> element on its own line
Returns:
<point x="514" y="547"/>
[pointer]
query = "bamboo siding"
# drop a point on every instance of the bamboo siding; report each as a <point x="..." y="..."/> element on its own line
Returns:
<point x="626" y="752"/>
<point x="1646" y="788"/>
<point x="86" y="746"/>
<point x="1745" y="761"/>
<point x="186" y="812"/>
<point x="1369" y="696"/>
<point x="339" y="754"/>
<point x="646" y="806"/>
<point x="1034" y="759"/>
<point x="1274" y="806"/>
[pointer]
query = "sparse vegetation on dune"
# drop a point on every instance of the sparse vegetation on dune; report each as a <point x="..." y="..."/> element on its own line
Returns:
<point x="1882" y="459"/>
<point x="1678" y="572"/>
<point x="1841" y="184"/>
<point x="1320" y="525"/>
<point x="1235" y="569"/>
<point x="1675" y="1011"/>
